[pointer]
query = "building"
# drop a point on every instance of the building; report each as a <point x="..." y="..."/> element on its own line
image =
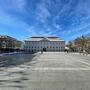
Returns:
<point x="8" y="43"/>
<point x="35" y="44"/>
<point x="19" y="45"/>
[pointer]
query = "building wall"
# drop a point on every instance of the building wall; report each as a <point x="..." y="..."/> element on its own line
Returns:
<point x="7" y="42"/>
<point x="48" y="45"/>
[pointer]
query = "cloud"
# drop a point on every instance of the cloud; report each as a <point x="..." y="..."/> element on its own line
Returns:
<point x="31" y="31"/>
<point x="63" y="10"/>
<point x="42" y="12"/>
<point x="80" y="29"/>
<point x="57" y="26"/>
<point x="46" y="17"/>
<point x="83" y="6"/>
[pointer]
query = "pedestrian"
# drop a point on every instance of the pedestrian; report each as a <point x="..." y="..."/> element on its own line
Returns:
<point x="41" y="51"/>
<point x="67" y="51"/>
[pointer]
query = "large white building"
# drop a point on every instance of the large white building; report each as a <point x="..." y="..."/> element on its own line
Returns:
<point x="35" y="44"/>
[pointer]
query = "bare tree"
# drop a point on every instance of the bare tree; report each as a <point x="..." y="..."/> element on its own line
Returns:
<point x="80" y="44"/>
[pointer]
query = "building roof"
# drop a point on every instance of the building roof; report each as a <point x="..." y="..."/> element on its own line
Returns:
<point x="6" y="36"/>
<point x="44" y="38"/>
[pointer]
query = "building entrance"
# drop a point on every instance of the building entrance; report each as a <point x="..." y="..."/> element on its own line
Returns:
<point x="44" y="49"/>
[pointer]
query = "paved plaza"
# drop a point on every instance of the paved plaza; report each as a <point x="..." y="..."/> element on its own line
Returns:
<point x="47" y="71"/>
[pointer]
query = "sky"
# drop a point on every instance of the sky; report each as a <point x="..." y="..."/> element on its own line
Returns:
<point x="66" y="19"/>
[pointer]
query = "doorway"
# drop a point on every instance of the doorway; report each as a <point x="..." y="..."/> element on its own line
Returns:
<point x="44" y="49"/>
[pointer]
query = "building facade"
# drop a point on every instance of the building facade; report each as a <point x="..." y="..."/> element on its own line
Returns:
<point x="35" y="44"/>
<point x="9" y="43"/>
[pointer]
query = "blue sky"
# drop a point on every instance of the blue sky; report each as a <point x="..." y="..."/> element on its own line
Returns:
<point x="66" y="19"/>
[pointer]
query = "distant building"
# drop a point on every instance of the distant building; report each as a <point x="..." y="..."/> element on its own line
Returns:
<point x="9" y="43"/>
<point x="35" y="44"/>
<point x="18" y="45"/>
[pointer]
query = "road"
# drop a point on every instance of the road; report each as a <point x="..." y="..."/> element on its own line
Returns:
<point x="47" y="71"/>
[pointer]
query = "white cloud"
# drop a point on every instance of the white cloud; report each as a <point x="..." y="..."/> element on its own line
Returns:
<point x="42" y="12"/>
<point x="77" y="29"/>
<point x="83" y="6"/>
<point x="62" y="10"/>
<point x="57" y="26"/>
<point x="32" y="31"/>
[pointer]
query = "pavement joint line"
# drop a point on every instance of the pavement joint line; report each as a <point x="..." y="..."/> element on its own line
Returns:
<point x="85" y="63"/>
<point x="59" y="69"/>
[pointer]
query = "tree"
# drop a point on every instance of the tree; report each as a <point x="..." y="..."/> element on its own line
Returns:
<point x="81" y="43"/>
<point x="70" y="46"/>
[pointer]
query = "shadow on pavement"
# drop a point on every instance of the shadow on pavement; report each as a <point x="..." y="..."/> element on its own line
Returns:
<point x="16" y="59"/>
